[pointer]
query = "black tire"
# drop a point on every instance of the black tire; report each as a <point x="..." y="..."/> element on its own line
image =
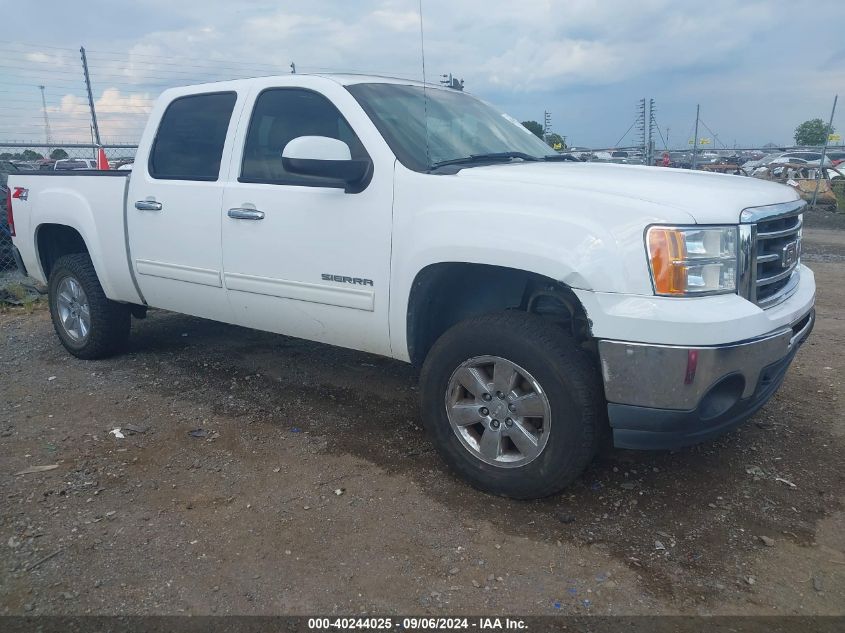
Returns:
<point x="110" y="321"/>
<point x="565" y="372"/>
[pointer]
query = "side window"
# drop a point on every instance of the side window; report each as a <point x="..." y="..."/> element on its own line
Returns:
<point x="190" y="137"/>
<point x="281" y="115"/>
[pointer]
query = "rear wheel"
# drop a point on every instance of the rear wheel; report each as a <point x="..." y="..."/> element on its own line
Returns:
<point x="512" y="404"/>
<point x="88" y="324"/>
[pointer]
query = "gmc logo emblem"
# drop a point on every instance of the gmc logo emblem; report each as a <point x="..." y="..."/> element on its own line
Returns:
<point x="789" y="254"/>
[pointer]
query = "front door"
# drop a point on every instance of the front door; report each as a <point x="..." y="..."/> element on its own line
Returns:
<point x="301" y="256"/>
<point x="173" y="208"/>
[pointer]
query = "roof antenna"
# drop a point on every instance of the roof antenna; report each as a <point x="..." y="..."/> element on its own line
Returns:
<point x="425" y="95"/>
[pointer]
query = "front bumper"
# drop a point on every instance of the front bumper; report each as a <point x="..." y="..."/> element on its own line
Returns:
<point x="669" y="396"/>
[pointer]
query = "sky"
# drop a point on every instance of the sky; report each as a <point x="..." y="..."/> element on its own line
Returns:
<point x="756" y="67"/>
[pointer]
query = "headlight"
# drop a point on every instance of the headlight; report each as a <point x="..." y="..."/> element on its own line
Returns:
<point x="692" y="261"/>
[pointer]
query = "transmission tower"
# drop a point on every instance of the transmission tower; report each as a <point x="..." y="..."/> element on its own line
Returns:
<point x="642" y="135"/>
<point x="47" y="135"/>
<point x="547" y="125"/>
<point x="647" y="126"/>
<point x="651" y="127"/>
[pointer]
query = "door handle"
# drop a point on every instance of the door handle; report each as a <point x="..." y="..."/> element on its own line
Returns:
<point x="239" y="213"/>
<point x="148" y="205"/>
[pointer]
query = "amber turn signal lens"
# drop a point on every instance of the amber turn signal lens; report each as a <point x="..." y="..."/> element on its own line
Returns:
<point x="667" y="252"/>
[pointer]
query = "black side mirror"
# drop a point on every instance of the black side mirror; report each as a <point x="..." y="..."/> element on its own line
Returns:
<point x="328" y="158"/>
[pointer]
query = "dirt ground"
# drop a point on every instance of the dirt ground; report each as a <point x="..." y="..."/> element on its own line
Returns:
<point x="308" y="486"/>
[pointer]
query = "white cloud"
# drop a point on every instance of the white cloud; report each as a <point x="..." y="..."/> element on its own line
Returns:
<point x="120" y="117"/>
<point x="400" y="21"/>
<point x="754" y="65"/>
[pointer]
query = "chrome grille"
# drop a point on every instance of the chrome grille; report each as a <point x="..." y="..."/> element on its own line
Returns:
<point x="770" y="252"/>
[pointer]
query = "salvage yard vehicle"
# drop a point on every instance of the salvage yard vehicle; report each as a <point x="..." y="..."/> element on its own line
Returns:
<point x="548" y="303"/>
<point x="74" y="163"/>
<point x="807" y="181"/>
<point x="6" y="253"/>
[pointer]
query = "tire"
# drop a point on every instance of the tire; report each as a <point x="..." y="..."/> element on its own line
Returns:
<point x="108" y="321"/>
<point x="574" y="404"/>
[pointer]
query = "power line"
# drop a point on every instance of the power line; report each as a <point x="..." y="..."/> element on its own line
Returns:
<point x="713" y="134"/>
<point x="619" y="142"/>
<point x="660" y="134"/>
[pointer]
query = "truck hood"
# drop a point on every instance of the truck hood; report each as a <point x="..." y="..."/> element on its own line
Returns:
<point x="708" y="198"/>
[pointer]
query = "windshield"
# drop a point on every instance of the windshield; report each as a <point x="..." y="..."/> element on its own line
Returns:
<point x="424" y="129"/>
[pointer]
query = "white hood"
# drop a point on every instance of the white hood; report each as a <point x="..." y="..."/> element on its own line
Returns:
<point x="708" y="198"/>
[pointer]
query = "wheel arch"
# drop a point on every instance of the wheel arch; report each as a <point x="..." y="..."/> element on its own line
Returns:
<point x="443" y="294"/>
<point x="54" y="240"/>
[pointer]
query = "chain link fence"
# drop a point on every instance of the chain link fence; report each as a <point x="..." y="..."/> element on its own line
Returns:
<point x="22" y="158"/>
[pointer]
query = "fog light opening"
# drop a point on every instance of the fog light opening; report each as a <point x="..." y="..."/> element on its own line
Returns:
<point x="721" y="397"/>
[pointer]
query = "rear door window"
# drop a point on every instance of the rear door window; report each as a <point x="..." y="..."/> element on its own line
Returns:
<point x="190" y="138"/>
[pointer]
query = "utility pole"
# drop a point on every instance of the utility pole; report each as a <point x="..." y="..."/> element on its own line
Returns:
<point x="90" y="96"/>
<point x="292" y="68"/>
<point x="47" y="134"/>
<point x="695" y="138"/>
<point x="827" y="134"/>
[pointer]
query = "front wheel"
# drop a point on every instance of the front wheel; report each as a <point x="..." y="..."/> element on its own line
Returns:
<point x="88" y="324"/>
<point x="512" y="404"/>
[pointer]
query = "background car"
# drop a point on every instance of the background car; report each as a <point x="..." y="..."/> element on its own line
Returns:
<point x="7" y="260"/>
<point x="836" y="157"/>
<point x="74" y="163"/>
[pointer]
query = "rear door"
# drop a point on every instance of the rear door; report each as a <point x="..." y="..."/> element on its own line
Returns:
<point x="314" y="261"/>
<point x="173" y="208"/>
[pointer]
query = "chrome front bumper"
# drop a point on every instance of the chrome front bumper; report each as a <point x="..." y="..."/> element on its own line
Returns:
<point x="674" y="377"/>
<point x="664" y="396"/>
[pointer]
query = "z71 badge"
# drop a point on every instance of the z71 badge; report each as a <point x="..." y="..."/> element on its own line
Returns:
<point x="347" y="280"/>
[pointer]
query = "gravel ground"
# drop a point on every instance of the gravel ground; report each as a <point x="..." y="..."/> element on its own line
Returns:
<point x="261" y="475"/>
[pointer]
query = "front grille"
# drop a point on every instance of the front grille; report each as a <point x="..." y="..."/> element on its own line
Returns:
<point x="777" y="255"/>
<point x="771" y="252"/>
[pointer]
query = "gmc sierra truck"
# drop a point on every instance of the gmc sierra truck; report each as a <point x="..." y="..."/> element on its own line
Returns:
<point x="549" y="304"/>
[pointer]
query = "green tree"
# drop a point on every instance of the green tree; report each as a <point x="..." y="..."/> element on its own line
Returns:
<point x="556" y="139"/>
<point x="58" y="154"/>
<point x="535" y="128"/>
<point x="812" y="132"/>
<point x="28" y="154"/>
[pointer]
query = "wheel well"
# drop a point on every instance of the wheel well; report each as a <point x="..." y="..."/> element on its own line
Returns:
<point x="55" y="241"/>
<point x="444" y="294"/>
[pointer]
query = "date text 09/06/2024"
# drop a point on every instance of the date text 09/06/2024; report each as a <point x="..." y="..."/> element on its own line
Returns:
<point x="416" y="624"/>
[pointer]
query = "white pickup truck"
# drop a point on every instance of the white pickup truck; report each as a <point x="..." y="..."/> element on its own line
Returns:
<point x="548" y="303"/>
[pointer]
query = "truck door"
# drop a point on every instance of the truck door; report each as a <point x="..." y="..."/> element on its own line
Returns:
<point x="300" y="255"/>
<point x="173" y="208"/>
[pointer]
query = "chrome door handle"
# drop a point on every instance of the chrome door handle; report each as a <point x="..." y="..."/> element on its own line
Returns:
<point x="239" y="213"/>
<point x="148" y="205"/>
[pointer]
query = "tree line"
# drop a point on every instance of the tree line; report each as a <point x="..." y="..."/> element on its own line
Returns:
<point x="28" y="154"/>
<point x="553" y="140"/>
<point x="813" y="132"/>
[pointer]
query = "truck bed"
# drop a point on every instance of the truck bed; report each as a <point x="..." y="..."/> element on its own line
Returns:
<point x="77" y="172"/>
<point x="92" y="202"/>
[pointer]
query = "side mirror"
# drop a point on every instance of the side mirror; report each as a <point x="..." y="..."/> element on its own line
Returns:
<point x="326" y="157"/>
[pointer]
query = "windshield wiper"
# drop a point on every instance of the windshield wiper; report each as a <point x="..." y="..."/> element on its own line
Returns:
<point x="560" y="158"/>
<point x="493" y="157"/>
